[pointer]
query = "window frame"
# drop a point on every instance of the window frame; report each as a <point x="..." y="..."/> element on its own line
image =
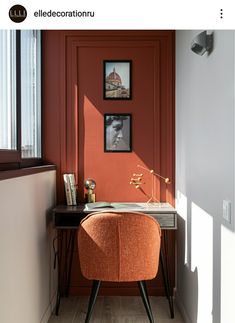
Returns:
<point x="11" y="159"/>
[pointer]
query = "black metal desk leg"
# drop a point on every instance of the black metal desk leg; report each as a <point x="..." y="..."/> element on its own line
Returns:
<point x="64" y="261"/>
<point x="59" y="256"/>
<point x="57" y="307"/>
<point x="70" y="253"/>
<point x="165" y="272"/>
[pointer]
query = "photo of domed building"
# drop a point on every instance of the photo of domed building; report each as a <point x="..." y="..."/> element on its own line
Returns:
<point x="117" y="79"/>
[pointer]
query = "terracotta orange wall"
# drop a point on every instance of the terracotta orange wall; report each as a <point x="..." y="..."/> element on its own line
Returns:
<point x="74" y="108"/>
<point x="113" y="171"/>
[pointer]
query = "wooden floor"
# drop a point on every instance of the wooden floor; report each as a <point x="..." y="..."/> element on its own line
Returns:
<point x="114" y="309"/>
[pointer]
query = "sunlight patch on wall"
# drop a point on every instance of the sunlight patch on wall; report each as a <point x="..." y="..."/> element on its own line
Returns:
<point x="227" y="274"/>
<point x="181" y="207"/>
<point x="202" y="259"/>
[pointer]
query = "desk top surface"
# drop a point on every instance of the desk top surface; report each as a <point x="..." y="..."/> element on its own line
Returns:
<point x="118" y="207"/>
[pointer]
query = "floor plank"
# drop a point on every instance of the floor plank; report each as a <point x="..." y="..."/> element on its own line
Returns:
<point x="114" y="309"/>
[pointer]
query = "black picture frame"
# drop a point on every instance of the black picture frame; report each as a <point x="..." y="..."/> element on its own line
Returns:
<point x="117" y="132"/>
<point x="117" y="79"/>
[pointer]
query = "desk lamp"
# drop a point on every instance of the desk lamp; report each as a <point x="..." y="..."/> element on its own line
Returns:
<point x="136" y="180"/>
<point x="90" y="185"/>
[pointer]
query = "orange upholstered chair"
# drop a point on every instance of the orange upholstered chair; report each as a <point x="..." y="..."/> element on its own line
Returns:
<point x="119" y="247"/>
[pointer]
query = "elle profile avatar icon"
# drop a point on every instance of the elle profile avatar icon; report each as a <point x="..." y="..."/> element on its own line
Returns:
<point x="17" y="13"/>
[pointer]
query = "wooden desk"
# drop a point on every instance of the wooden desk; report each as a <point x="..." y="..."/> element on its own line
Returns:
<point x="69" y="217"/>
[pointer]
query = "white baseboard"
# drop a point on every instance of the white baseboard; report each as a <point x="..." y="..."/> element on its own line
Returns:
<point x="46" y="316"/>
<point x="182" y="309"/>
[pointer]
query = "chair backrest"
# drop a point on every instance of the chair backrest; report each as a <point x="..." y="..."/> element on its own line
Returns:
<point x="119" y="246"/>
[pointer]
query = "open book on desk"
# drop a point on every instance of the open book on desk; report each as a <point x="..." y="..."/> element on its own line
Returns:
<point x="149" y="208"/>
<point x="107" y="205"/>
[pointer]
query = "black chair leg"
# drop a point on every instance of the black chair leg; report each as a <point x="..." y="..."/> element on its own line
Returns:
<point x="94" y="293"/>
<point x="166" y="284"/>
<point x="145" y="299"/>
<point x="147" y="296"/>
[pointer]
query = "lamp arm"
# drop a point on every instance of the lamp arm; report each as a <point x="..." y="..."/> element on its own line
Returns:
<point x="151" y="171"/>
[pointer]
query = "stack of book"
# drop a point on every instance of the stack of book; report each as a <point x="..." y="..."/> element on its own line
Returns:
<point x="70" y="189"/>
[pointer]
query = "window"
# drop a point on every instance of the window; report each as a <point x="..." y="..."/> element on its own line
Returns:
<point x="20" y="97"/>
<point x="30" y="94"/>
<point x="8" y="90"/>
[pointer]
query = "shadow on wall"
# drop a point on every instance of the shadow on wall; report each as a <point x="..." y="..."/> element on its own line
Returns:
<point x="199" y="262"/>
<point x="186" y="273"/>
<point x="205" y="172"/>
<point x="152" y="126"/>
<point x="112" y="171"/>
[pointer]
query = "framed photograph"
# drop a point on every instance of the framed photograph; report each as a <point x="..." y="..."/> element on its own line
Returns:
<point x="117" y="132"/>
<point x="117" y="80"/>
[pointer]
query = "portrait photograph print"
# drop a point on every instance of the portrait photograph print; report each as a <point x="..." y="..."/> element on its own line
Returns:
<point x="117" y="132"/>
<point x="117" y="80"/>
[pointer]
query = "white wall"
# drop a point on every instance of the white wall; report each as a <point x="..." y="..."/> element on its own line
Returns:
<point x="27" y="280"/>
<point x="204" y="178"/>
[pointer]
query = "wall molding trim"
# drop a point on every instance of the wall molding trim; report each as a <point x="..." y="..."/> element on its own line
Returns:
<point x="61" y="94"/>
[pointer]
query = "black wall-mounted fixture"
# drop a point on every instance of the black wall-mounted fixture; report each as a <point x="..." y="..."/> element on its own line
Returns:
<point x="202" y="43"/>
